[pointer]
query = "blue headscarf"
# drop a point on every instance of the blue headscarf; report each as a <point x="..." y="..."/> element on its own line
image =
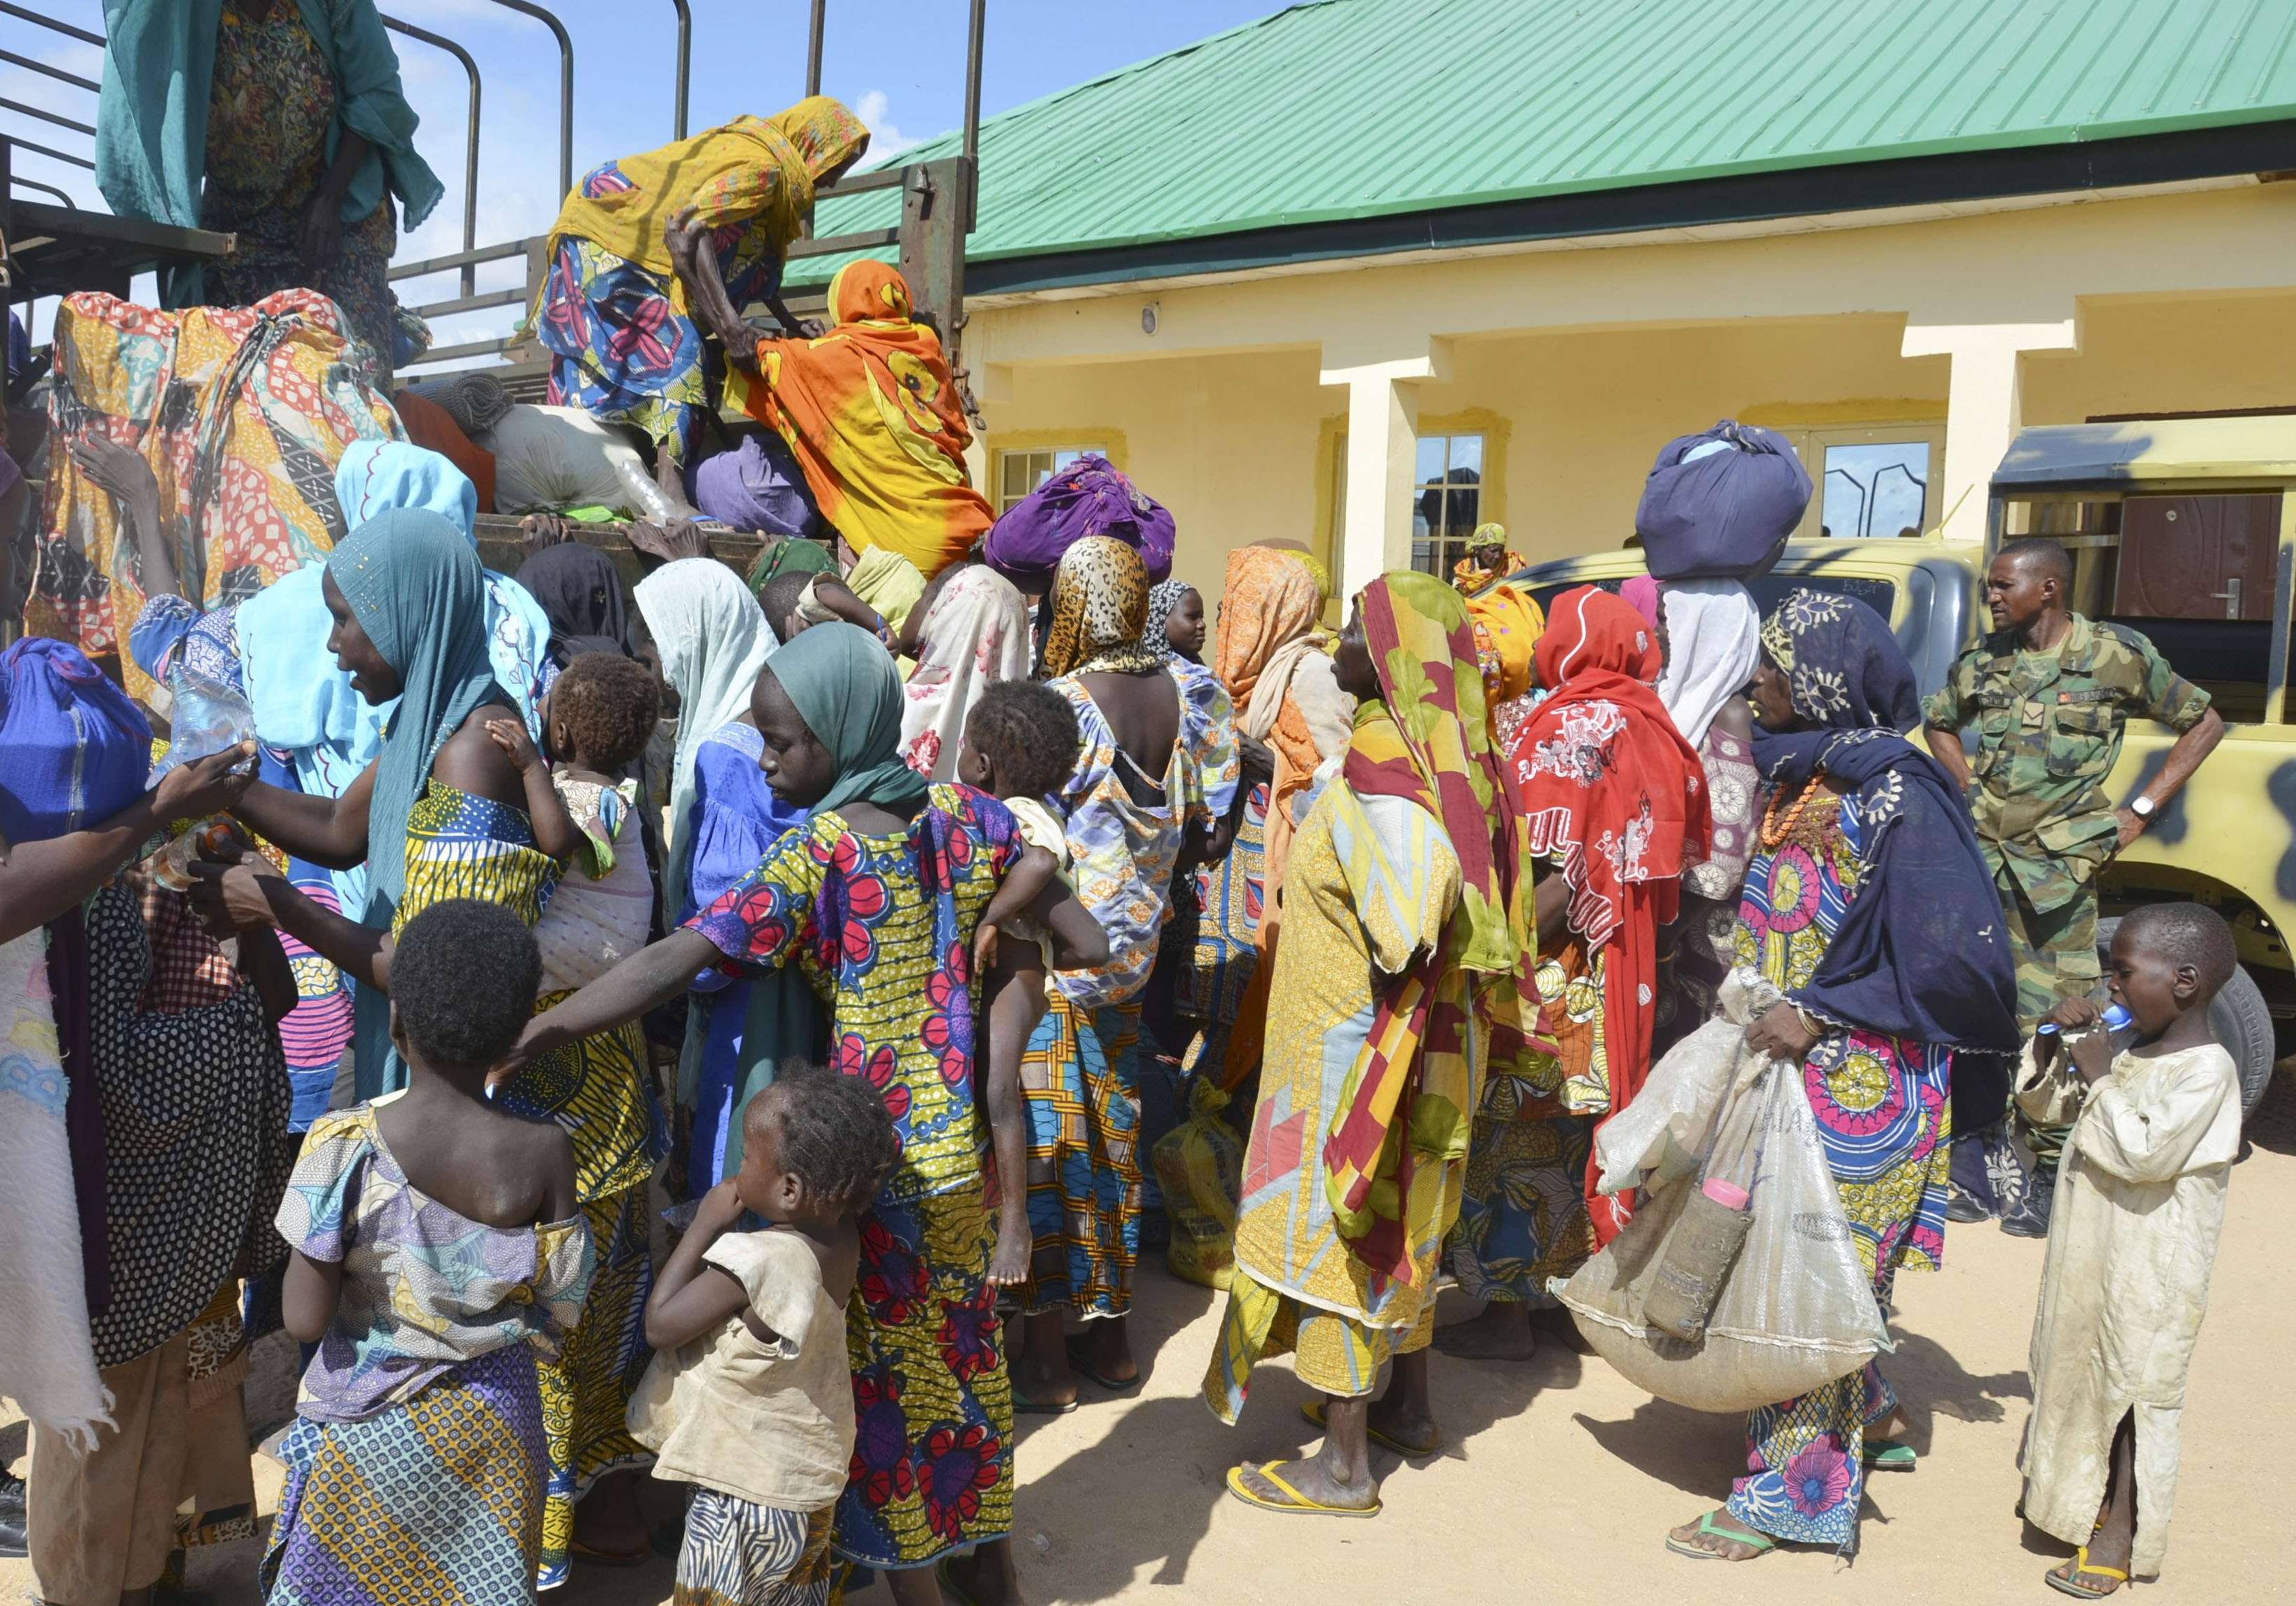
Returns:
<point x="1922" y="951"/>
<point x="375" y="476"/>
<point x="415" y="586"/>
<point x="847" y="692"/>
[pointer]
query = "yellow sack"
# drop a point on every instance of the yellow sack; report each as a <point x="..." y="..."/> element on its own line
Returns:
<point x="1200" y="1166"/>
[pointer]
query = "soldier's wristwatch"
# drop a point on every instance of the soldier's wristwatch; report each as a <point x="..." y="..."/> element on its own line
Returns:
<point x="2143" y="807"/>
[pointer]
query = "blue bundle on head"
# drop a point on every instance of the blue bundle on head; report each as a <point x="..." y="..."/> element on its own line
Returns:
<point x="1720" y="503"/>
<point x="73" y="749"/>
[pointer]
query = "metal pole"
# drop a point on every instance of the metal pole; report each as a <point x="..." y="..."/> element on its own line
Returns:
<point x="813" y="47"/>
<point x="470" y="145"/>
<point x="45" y="116"/>
<point x="33" y="183"/>
<point x="684" y="66"/>
<point x="565" y="86"/>
<point x="26" y="145"/>
<point x="30" y="15"/>
<point x="58" y="73"/>
<point x="975" y="37"/>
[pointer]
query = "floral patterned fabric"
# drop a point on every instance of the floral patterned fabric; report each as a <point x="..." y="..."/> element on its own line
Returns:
<point x="1124" y="850"/>
<point x="882" y="927"/>
<point x="270" y="105"/>
<point x="1884" y="1120"/>
<point x="1696" y="951"/>
<point x="242" y="413"/>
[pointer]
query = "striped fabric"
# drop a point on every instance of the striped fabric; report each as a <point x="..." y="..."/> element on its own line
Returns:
<point x="738" y="1554"/>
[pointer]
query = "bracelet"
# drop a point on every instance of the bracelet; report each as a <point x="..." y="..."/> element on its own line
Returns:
<point x="1809" y="1023"/>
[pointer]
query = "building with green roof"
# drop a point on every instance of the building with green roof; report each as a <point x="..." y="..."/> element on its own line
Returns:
<point x="1294" y="276"/>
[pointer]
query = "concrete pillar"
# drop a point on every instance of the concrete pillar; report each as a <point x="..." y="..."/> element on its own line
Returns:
<point x="1983" y="404"/>
<point x="1382" y="434"/>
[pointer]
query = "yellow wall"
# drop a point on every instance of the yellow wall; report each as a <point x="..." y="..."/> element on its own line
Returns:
<point x="1591" y="358"/>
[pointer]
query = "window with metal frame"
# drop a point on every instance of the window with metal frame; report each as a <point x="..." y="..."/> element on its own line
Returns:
<point x="1871" y="480"/>
<point x="1445" y="500"/>
<point x="1019" y="472"/>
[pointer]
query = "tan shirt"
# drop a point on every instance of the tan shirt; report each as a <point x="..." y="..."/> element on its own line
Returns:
<point x="771" y="1423"/>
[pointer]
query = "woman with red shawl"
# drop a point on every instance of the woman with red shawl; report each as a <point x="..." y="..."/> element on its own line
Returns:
<point x="1614" y="800"/>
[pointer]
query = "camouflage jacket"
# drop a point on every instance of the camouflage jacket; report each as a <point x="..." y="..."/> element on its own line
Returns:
<point x="2049" y="727"/>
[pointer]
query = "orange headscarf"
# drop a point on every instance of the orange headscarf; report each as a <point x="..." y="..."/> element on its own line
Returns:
<point x="872" y="417"/>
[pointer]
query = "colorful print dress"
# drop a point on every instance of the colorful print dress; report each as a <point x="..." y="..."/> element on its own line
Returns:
<point x="270" y="105"/>
<point x="416" y="1465"/>
<point x="1370" y="887"/>
<point x="882" y="927"/>
<point x="1081" y="1071"/>
<point x="1883" y="1117"/>
<point x="461" y="845"/>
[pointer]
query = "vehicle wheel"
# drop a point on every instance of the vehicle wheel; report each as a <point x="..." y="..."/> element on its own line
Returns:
<point x="2240" y="1020"/>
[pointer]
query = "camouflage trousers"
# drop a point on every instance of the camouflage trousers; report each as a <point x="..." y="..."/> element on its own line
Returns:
<point x="2056" y="956"/>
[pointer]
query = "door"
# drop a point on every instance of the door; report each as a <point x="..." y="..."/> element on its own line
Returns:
<point x="2198" y="557"/>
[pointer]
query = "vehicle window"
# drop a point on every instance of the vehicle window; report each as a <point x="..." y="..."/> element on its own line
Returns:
<point x="2193" y="574"/>
<point x="1875" y="489"/>
<point x="1770" y="590"/>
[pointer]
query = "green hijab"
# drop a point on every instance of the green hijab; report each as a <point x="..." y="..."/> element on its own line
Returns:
<point x="847" y="692"/>
<point x="790" y="553"/>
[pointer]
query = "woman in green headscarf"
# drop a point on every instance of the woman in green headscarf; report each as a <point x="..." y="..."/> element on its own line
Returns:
<point x="441" y="813"/>
<point x="911" y="872"/>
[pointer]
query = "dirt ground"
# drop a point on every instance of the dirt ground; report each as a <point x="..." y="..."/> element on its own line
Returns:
<point x="1560" y="1480"/>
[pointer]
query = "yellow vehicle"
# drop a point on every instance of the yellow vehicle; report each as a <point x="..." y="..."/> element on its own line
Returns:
<point x="2184" y="530"/>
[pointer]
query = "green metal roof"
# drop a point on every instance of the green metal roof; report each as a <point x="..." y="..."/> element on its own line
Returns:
<point x="1352" y="110"/>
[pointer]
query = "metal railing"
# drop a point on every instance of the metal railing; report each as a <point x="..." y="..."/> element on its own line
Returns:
<point x="931" y="256"/>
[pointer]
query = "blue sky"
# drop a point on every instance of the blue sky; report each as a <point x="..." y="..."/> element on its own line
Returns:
<point x="900" y="63"/>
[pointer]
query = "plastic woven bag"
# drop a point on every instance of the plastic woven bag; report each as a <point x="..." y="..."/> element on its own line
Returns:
<point x="1664" y="1134"/>
<point x="1200" y="1166"/>
<point x="1797" y="1309"/>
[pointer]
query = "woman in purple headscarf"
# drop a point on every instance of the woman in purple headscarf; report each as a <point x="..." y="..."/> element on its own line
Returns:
<point x="1087" y="497"/>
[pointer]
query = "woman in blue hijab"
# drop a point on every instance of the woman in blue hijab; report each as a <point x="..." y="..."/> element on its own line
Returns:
<point x="441" y="813"/>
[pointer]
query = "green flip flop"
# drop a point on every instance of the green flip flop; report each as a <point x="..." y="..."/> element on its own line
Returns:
<point x="1759" y="1544"/>
<point x="1888" y="1455"/>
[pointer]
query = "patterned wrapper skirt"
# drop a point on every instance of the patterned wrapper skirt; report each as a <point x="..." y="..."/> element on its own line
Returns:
<point x="932" y="1452"/>
<point x="1084" y="1170"/>
<point x="739" y="1554"/>
<point x="596" y="1089"/>
<point x="438" y="1500"/>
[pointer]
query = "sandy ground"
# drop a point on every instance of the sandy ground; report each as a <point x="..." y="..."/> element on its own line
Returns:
<point x="1560" y="1480"/>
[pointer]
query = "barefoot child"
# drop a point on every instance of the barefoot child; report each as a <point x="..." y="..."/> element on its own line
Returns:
<point x="882" y="898"/>
<point x="749" y="1397"/>
<point x="1022" y="742"/>
<point x="2139" y="1207"/>
<point x="438" y="1253"/>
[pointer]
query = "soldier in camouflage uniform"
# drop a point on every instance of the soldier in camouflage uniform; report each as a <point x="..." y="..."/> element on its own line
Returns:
<point x="2050" y="693"/>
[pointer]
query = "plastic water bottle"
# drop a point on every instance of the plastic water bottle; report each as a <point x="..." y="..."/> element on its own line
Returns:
<point x="2115" y="1019"/>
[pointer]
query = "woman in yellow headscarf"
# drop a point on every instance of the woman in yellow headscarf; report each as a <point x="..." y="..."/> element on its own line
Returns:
<point x="621" y="336"/>
<point x="868" y="408"/>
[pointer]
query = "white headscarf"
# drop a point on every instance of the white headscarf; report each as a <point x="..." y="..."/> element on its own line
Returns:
<point x="713" y="639"/>
<point x="1713" y="638"/>
<point x="976" y="632"/>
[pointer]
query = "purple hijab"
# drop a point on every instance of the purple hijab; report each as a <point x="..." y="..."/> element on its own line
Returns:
<point x="1087" y="497"/>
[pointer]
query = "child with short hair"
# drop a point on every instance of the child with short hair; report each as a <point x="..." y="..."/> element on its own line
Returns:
<point x="438" y="1250"/>
<point x="597" y="719"/>
<point x="2139" y="1209"/>
<point x="1022" y="742"/>
<point x="749" y="1398"/>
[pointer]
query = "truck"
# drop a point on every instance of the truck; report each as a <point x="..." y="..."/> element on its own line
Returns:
<point x="2181" y="528"/>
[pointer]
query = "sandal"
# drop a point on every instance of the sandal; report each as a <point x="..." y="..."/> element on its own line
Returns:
<point x="1759" y="1542"/>
<point x="1888" y="1455"/>
<point x="1082" y="1367"/>
<point x="1022" y="1406"/>
<point x="1293" y="1504"/>
<point x="2058" y="1581"/>
<point x="1313" y="1410"/>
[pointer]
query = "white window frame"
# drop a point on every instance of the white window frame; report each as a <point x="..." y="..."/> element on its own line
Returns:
<point x="1419" y="487"/>
<point x="1812" y="442"/>
<point x="1057" y="458"/>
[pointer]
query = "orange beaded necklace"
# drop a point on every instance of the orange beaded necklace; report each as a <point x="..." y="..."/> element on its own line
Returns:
<point x="1775" y="832"/>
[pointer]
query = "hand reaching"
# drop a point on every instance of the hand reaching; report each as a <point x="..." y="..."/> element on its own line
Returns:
<point x="517" y="746"/>
<point x="234" y="894"/>
<point x="538" y="530"/>
<point x="984" y="947"/>
<point x="116" y="469"/>
<point x="669" y="541"/>
<point x="211" y="785"/>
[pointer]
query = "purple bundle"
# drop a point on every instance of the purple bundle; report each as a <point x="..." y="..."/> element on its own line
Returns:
<point x="1087" y="497"/>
